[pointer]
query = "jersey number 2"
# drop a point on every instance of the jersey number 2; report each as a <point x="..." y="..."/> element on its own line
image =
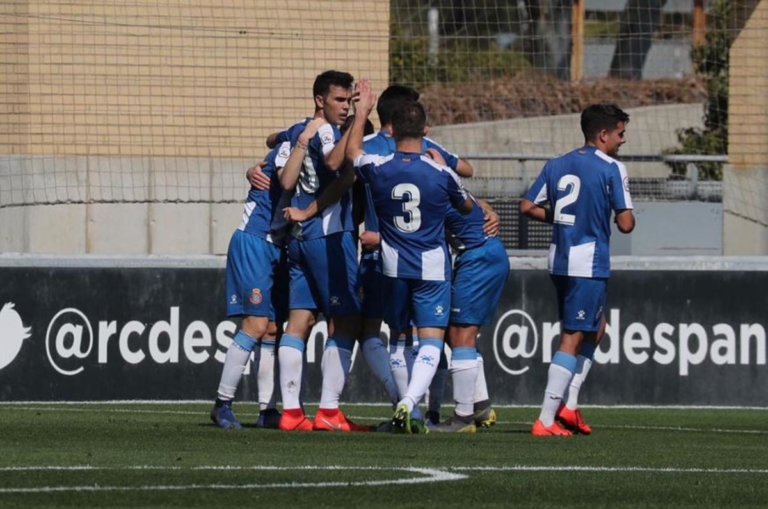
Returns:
<point x="410" y="208"/>
<point x="572" y="185"/>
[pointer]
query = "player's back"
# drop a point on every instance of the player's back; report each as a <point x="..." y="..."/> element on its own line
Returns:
<point x="465" y="231"/>
<point x="262" y="215"/>
<point x="410" y="193"/>
<point x="583" y="186"/>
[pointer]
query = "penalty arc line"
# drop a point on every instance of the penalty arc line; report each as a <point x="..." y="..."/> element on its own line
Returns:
<point x="432" y="475"/>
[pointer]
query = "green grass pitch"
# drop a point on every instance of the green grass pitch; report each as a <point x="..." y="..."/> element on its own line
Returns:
<point x="170" y="455"/>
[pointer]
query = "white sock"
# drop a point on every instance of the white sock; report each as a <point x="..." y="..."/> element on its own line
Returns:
<point x="265" y="377"/>
<point x="234" y="365"/>
<point x="399" y="367"/>
<point x="290" y="355"/>
<point x="481" y="386"/>
<point x="337" y="360"/>
<point x="464" y="372"/>
<point x="437" y="386"/>
<point x="557" y="382"/>
<point x="377" y="358"/>
<point x="583" y="364"/>
<point x="424" y="368"/>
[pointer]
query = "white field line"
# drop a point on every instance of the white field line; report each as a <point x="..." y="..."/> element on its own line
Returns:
<point x="208" y="402"/>
<point x="429" y="476"/>
<point x="576" y="468"/>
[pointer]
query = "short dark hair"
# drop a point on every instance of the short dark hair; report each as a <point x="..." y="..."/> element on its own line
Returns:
<point x="408" y="120"/>
<point x="390" y="98"/>
<point x="324" y="81"/>
<point x="597" y="117"/>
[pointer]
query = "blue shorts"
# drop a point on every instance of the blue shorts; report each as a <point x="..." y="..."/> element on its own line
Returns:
<point x="252" y="267"/>
<point x="416" y="302"/>
<point x="580" y="302"/>
<point x="323" y="274"/>
<point x="372" y="286"/>
<point x="479" y="276"/>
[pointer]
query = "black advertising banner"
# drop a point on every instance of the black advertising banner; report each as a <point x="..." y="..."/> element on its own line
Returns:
<point x="112" y="333"/>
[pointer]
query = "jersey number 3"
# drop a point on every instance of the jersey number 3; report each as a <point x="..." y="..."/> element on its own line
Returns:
<point x="410" y="221"/>
<point x="571" y="184"/>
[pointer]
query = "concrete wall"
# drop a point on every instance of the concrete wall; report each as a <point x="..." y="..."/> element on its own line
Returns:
<point x="745" y="179"/>
<point x="650" y="130"/>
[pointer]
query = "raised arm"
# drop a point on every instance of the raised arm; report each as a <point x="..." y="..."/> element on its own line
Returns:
<point x="366" y="101"/>
<point x="290" y="172"/>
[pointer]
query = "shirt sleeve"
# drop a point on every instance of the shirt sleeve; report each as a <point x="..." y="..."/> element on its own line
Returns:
<point x="283" y="152"/>
<point x="364" y="164"/>
<point x="451" y="160"/>
<point x="456" y="192"/>
<point x="327" y="137"/>
<point x="538" y="193"/>
<point x="619" y="186"/>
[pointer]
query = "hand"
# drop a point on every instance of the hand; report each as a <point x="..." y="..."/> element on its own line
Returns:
<point x="365" y="99"/>
<point x="370" y="240"/>
<point x="257" y="178"/>
<point x="491" y="223"/>
<point x="435" y="155"/>
<point x="295" y="215"/>
<point x="311" y="129"/>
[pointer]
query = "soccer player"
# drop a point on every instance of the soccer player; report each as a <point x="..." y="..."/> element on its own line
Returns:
<point x="371" y="279"/>
<point x="410" y="193"/>
<point x="583" y="188"/>
<point x="480" y="272"/>
<point x="255" y="270"/>
<point x="322" y="262"/>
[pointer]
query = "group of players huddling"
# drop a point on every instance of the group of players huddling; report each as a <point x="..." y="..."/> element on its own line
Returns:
<point x="295" y="255"/>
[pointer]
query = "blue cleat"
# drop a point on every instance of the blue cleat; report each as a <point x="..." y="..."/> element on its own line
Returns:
<point x="223" y="416"/>
<point x="268" y="418"/>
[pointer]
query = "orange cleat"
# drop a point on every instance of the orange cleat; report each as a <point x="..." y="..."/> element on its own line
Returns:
<point x="572" y="420"/>
<point x="294" y="420"/>
<point x="539" y="430"/>
<point x="334" y="420"/>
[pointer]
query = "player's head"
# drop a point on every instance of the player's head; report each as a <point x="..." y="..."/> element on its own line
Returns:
<point x="603" y="125"/>
<point x="332" y="91"/>
<point x="409" y="120"/>
<point x="368" y="129"/>
<point x="390" y="98"/>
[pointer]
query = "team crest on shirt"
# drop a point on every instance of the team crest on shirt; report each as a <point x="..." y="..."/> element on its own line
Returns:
<point x="284" y="152"/>
<point x="625" y="181"/>
<point x="439" y="310"/>
<point x="255" y="297"/>
<point x="581" y="314"/>
<point x="327" y="138"/>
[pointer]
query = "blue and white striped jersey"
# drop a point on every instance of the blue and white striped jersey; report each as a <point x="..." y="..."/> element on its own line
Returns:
<point x="465" y="231"/>
<point x="314" y="178"/>
<point x="583" y="187"/>
<point x="292" y="133"/>
<point x="410" y="195"/>
<point x="383" y="144"/>
<point x="263" y="216"/>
